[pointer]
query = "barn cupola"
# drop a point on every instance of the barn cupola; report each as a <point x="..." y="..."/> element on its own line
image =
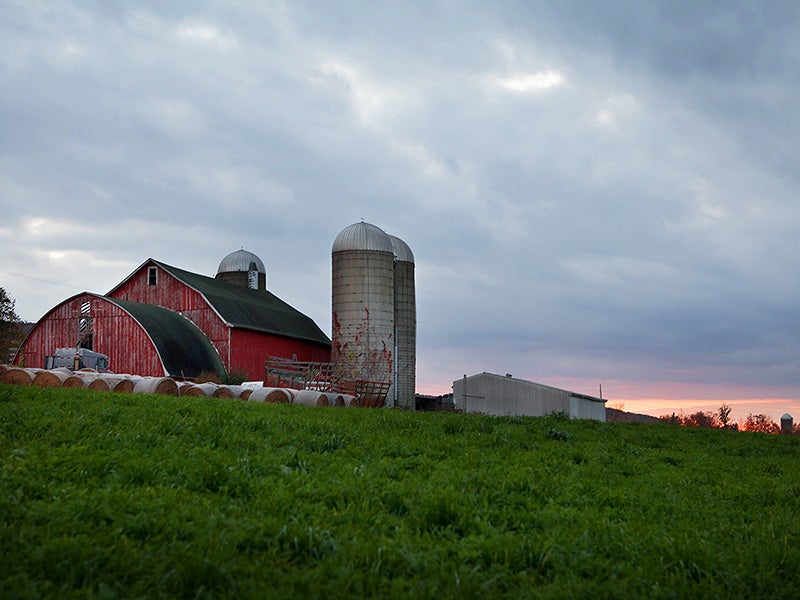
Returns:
<point x="243" y="269"/>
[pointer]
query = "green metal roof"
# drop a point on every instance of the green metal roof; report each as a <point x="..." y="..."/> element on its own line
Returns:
<point x="259" y="310"/>
<point x="184" y="349"/>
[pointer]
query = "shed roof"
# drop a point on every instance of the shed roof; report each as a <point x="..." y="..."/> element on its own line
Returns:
<point x="184" y="349"/>
<point x="259" y="310"/>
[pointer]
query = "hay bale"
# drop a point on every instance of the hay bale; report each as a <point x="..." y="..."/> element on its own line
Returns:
<point x="335" y="399"/>
<point x="17" y="376"/>
<point x="208" y="388"/>
<point x="164" y="386"/>
<point x="273" y="395"/>
<point x="88" y="379"/>
<point x="236" y="390"/>
<point x="351" y="401"/>
<point x="125" y="385"/>
<point x="224" y="391"/>
<point x="53" y="378"/>
<point x="311" y="398"/>
<point x="187" y="388"/>
<point x="74" y="382"/>
<point x="99" y="384"/>
<point x="240" y="392"/>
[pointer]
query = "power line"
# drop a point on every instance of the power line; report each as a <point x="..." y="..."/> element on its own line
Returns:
<point x="39" y="279"/>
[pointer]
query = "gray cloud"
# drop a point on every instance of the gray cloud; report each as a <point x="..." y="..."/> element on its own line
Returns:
<point x="591" y="190"/>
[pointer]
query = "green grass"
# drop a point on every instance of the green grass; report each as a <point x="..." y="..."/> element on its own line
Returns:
<point x="106" y="495"/>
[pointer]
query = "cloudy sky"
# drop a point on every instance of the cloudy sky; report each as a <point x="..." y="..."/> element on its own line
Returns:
<point x="595" y="192"/>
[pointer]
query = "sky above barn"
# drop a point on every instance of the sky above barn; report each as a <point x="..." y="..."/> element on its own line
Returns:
<point x="594" y="192"/>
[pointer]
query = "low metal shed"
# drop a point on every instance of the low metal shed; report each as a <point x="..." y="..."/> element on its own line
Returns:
<point x="492" y="394"/>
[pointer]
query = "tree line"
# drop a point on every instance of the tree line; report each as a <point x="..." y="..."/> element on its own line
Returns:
<point x="721" y="419"/>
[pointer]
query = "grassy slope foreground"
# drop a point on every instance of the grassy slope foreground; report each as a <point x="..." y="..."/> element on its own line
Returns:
<point x="110" y="495"/>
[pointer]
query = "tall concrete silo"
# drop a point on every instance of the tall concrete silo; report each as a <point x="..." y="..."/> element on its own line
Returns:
<point x="362" y="260"/>
<point x="405" y="325"/>
<point x="244" y="269"/>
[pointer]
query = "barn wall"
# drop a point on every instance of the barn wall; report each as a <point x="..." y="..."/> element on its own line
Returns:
<point x="497" y="395"/>
<point x="116" y="334"/>
<point x="175" y="295"/>
<point x="249" y="349"/>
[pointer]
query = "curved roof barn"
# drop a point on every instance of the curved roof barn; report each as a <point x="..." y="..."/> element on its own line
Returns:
<point x="137" y="338"/>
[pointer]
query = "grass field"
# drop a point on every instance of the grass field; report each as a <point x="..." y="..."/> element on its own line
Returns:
<point x="107" y="495"/>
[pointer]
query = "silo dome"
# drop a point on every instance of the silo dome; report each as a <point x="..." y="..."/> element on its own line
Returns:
<point x="362" y="236"/>
<point x="244" y="269"/>
<point x="240" y="261"/>
<point x="402" y="252"/>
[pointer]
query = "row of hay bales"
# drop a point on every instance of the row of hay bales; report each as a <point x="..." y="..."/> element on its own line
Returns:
<point x="133" y="384"/>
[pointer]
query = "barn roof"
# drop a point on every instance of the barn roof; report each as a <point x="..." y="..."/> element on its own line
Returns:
<point x="184" y="349"/>
<point x="260" y="310"/>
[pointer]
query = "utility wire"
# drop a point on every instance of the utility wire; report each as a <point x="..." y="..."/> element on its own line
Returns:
<point x="73" y="287"/>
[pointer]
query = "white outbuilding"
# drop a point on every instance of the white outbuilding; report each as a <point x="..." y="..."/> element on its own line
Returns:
<point x="492" y="394"/>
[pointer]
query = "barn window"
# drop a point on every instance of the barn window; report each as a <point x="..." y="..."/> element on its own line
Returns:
<point x="152" y="276"/>
<point x="86" y="326"/>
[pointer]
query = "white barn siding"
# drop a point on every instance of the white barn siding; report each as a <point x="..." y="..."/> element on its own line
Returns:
<point x="492" y="394"/>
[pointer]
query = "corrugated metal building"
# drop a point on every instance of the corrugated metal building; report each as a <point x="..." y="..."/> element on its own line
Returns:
<point x="241" y="324"/>
<point x="492" y="394"/>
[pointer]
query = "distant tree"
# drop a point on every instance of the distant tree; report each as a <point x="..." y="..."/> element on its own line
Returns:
<point x="673" y="419"/>
<point x="700" y="419"/>
<point x="760" y="423"/>
<point x="11" y="333"/>
<point x="723" y="416"/>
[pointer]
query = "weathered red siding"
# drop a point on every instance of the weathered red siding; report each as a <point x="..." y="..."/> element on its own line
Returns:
<point x="175" y="295"/>
<point x="239" y="349"/>
<point x="249" y="350"/>
<point x="116" y="334"/>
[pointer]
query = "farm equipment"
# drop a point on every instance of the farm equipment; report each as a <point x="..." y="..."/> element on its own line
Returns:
<point x="76" y="358"/>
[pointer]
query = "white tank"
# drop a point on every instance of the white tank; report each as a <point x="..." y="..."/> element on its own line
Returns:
<point x="362" y="329"/>
<point x="405" y="324"/>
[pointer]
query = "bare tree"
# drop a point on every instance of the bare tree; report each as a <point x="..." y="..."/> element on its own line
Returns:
<point x="723" y="417"/>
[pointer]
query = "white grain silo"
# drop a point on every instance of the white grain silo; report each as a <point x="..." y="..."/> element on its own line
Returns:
<point x="405" y="325"/>
<point x="362" y="260"/>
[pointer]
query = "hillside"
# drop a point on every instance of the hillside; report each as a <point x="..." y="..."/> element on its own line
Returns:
<point x="111" y="495"/>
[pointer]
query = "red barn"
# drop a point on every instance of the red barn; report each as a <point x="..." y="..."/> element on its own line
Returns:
<point x="138" y="338"/>
<point x="242" y="321"/>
